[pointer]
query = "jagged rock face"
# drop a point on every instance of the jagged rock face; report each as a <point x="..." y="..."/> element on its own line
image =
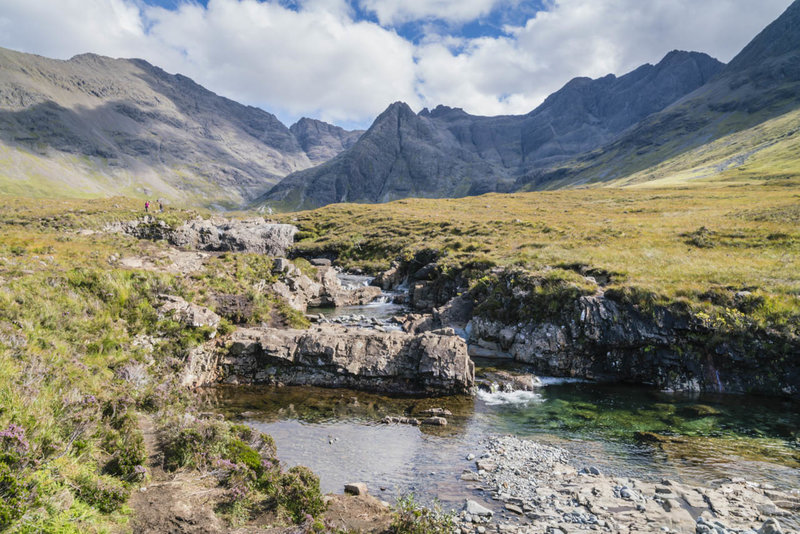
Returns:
<point x="322" y="141"/>
<point x="217" y="234"/>
<point x="330" y="356"/>
<point x="123" y="120"/>
<point x="449" y="153"/>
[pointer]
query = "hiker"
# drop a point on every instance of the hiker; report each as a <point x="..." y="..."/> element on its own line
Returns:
<point x="160" y="206"/>
<point x="147" y="206"/>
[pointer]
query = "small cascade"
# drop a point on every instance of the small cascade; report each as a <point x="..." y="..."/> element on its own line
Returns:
<point x="377" y="314"/>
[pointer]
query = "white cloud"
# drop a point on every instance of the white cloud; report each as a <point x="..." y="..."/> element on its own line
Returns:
<point x="313" y="61"/>
<point x="316" y="60"/>
<point x="68" y="27"/>
<point x="390" y="12"/>
<point x="514" y="73"/>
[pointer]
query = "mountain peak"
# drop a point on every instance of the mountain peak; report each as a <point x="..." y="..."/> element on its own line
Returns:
<point x="781" y="38"/>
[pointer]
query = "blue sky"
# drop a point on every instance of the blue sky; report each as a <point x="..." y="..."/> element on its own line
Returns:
<point x="345" y="61"/>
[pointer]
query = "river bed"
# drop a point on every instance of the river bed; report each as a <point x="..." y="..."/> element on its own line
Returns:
<point x="621" y="430"/>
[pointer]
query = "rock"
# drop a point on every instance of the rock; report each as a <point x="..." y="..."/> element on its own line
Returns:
<point x="469" y="476"/>
<point x="594" y="471"/>
<point x="470" y="457"/>
<point x="356" y="488"/>
<point x="435" y="421"/>
<point x="216" y="234"/>
<point x="321" y="262"/>
<point x="475" y="509"/>
<point x="770" y="526"/>
<point x="486" y="464"/>
<point x="186" y="312"/>
<point x="281" y="265"/>
<point x="436" y="412"/>
<point x="334" y="356"/>
<point x="514" y="508"/>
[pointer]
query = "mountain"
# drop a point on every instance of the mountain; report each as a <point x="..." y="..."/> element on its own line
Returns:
<point x="447" y="152"/>
<point x="322" y="141"/>
<point x="95" y="125"/>
<point x="718" y="130"/>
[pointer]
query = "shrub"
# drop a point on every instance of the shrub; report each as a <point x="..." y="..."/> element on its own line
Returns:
<point x="412" y="518"/>
<point x="105" y="493"/>
<point x="299" y="493"/>
<point x="183" y="448"/>
<point x="13" y="496"/>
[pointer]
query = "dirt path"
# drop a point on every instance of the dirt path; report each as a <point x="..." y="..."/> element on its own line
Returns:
<point x="180" y="503"/>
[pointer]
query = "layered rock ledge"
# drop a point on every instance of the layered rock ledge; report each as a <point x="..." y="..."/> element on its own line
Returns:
<point x="334" y="356"/>
<point x="253" y="235"/>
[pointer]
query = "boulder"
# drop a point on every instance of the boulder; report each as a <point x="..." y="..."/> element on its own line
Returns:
<point x="475" y="509"/>
<point x="356" y="488"/>
<point x="186" y="312"/>
<point x="435" y="421"/>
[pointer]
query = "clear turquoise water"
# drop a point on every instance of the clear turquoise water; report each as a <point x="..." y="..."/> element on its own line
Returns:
<point x="704" y="438"/>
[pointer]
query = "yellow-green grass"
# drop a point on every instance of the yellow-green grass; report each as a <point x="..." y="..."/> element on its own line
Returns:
<point x="70" y="320"/>
<point x="770" y="150"/>
<point x="749" y="236"/>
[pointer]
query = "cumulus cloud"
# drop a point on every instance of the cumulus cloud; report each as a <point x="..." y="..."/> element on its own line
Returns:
<point x="316" y="58"/>
<point x="392" y="12"/>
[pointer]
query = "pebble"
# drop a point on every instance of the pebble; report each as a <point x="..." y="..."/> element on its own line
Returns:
<point x="536" y="483"/>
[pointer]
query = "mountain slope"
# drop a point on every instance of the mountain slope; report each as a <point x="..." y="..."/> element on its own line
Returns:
<point x="449" y="153"/>
<point x="760" y="84"/>
<point x="95" y="125"/>
<point x="322" y="141"/>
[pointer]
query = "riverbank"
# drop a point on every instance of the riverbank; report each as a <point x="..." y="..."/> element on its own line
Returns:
<point x="542" y="492"/>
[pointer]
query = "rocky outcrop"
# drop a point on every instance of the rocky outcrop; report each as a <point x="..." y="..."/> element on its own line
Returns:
<point x="253" y="235"/>
<point x="330" y="356"/>
<point x="324" y="290"/>
<point x="186" y="312"/>
<point x="246" y="235"/>
<point x="590" y="332"/>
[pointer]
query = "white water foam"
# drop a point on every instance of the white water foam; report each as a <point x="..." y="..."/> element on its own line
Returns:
<point x="519" y="397"/>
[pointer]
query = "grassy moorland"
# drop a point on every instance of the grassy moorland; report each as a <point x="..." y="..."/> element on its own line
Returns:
<point x="84" y="353"/>
<point x="699" y="245"/>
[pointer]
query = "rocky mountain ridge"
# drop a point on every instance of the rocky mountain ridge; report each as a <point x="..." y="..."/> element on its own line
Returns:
<point x="97" y="125"/>
<point x="760" y="84"/>
<point x="446" y="152"/>
<point x="590" y="131"/>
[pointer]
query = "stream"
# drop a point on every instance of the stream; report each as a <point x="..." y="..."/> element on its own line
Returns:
<point x="338" y="433"/>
